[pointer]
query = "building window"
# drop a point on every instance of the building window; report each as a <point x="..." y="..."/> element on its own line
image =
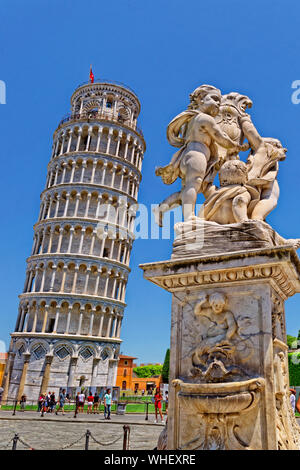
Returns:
<point x="104" y="354"/>
<point x="108" y="104"/>
<point x="86" y="353"/>
<point x="125" y="373"/>
<point x="39" y="352"/>
<point x="124" y="385"/>
<point x="62" y="353"/>
<point x="125" y="363"/>
<point x="51" y="325"/>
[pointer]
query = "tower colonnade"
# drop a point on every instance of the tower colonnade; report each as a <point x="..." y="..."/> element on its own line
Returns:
<point x="68" y="329"/>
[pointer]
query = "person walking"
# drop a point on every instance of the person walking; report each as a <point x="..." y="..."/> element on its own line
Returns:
<point x="96" y="403"/>
<point x="52" y="402"/>
<point x="81" y="400"/>
<point x="62" y="399"/>
<point x="40" y="402"/>
<point x="107" y="404"/>
<point x="293" y="398"/>
<point x="47" y="403"/>
<point x="167" y="401"/>
<point x="23" y="402"/>
<point x="90" y="403"/>
<point x="43" y="404"/>
<point x="157" y="404"/>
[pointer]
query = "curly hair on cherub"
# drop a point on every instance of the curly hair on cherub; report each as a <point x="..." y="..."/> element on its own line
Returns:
<point x="200" y="92"/>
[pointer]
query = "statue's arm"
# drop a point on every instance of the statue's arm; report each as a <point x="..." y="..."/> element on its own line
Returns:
<point x="209" y="125"/>
<point x="250" y="132"/>
<point x="232" y="326"/>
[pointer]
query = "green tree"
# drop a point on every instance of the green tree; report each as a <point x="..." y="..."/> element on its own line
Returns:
<point x="294" y="369"/>
<point x="165" y="367"/>
<point x="148" y="371"/>
<point x="292" y="341"/>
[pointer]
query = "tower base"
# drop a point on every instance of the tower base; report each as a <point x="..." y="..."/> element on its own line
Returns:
<point x="38" y="364"/>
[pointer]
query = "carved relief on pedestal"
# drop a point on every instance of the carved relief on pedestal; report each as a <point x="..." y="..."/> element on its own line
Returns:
<point x="287" y="428"/>
<point x="223" y="343"/>
<point x="278" y="318"/>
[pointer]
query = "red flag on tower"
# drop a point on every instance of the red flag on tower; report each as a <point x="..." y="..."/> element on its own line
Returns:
<point x="91" y="75"/>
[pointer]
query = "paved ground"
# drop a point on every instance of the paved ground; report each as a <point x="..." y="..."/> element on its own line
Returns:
<point x="55" y="432"/>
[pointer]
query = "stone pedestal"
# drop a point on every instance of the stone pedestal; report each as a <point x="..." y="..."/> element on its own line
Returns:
<point x="229" y="384"/>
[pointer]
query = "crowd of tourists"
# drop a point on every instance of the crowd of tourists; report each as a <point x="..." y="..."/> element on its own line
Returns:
<point x="48" y="403"/>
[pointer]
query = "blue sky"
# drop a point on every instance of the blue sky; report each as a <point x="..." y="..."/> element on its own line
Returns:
<point x="163" y="49"/>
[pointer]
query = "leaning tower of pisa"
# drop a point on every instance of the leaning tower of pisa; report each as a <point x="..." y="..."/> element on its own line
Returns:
<point x="68" y="328"/>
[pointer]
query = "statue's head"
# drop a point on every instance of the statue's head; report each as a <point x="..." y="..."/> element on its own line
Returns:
<point x="275" y="149"/>
<point x="207" y="98"/>
<point x="217" y="302"/>
<point x="233" y="172"/>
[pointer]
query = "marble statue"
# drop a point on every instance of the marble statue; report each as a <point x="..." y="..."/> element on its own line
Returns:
<point x="196" y="132"/>
<point x="229" y="275"/>
<point x="211" y="133"/>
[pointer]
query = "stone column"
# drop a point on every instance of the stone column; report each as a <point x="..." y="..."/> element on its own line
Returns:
<point x="24" y="375"/>
<point x="72" y="370"/>
<point x="46" y="374"/>
<point x="46" y="313"/>
<point x="93" y="171"/>
<point x="228" y="364"/>
<point x="68" y="320"/>
<point x="99" y="138"/>
<point x="94" y="372"/>
<point x="9" y="368"/>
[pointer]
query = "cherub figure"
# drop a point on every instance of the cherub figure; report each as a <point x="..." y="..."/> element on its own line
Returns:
<point x="229" y="203"/>
<point x="219" y="323"/>
<point x="196" y="132"/>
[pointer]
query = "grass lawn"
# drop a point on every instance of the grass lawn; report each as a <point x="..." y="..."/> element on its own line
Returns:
<point x="130" y="408"/>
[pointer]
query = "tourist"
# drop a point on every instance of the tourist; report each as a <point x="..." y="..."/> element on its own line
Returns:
<point x="107" y="404"/>
<point x="40" y="402"/>
<point x="293" y="398"/>
<point x="96" y="403"/>
<point x="52" y="402"/>
<point x="47" y="403"/>
<point x="43" y="404"/>
<point x="62" y="399"/>
<point x="298" y="404"/>
<point x="167" y="401"/>
<point x="157" y="404"/>
<point x="143" y="392"/>
<point x="81" y="400"/>
<point x="77" y="402"/>
<point x="23" y="402"/>
<point x="90" y="403"/>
